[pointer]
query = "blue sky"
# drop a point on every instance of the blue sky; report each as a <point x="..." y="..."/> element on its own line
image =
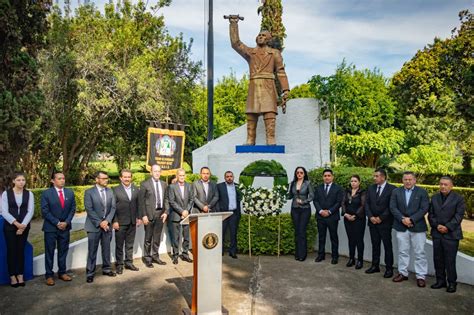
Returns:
<point x="371" y="34"/>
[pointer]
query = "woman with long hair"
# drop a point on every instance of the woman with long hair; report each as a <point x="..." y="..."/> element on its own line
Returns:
<point x="17" y="210"/>
<point x="354" y="221"/>
<point x="301" y="192"/>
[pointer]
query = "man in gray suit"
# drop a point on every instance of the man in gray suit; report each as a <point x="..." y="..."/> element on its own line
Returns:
<point x="125" y="221"/>
<point x="99" y="202"/>
<point x="409" y="204"/>
<point x="181" y="197"/>
<point x="154" y="208"/>
<point x="206" y="194"/>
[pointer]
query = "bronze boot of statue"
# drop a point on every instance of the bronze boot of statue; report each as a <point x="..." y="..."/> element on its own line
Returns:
<point x="251" y="132"/>
<point x="270" y="131"/>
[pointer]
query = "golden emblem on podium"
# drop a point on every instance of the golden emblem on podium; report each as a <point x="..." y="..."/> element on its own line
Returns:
<point x="210" y="240"/>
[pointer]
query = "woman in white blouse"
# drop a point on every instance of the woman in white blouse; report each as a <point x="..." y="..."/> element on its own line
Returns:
<point x="17" y="210"/>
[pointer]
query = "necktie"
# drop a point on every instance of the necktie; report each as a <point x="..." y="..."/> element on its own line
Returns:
<point x="61" y="198"/>
<point x="104" y="200"/>
<point x="158" y="198"/>
<point x="378" y="191"/>
<point x="327" y="189"/>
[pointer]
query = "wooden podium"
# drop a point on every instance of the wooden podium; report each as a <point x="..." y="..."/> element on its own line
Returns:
<point x="206" y="237"/>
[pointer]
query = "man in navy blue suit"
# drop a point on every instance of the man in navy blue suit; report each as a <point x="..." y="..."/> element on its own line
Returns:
<point x="58" y="206"/>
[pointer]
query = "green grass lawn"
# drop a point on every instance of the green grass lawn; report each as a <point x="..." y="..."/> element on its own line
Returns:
<point x="38" y="241"/>
<point x="467" y="244"/>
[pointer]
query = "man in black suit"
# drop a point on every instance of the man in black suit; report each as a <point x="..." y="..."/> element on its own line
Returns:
<point x="125" y="221"/>
<point x="327" y="201"/>
<point x="153" y="209"/>
<point x="99" y="202"/>
<point x="58" y="206"/>
<point x="229" y="200"/>
<point x="205" y="192"/>
<point x="445" y="216"/>
<point x="377" y="208"/>
<point x="181" y="199"/>
<point x="409" y="204"/>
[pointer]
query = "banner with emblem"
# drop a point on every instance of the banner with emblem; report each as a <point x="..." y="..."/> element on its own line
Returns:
<point x="165" y="148"/>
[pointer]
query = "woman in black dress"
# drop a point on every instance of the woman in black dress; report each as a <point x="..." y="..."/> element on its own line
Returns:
<point x="301" y="193"/>
<point x="354" y="221"/>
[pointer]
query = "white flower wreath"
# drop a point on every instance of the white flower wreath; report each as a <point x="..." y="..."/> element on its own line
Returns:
<point x="262" y="201"/>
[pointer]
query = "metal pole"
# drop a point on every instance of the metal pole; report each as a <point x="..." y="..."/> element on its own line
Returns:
<point x="210" y="75"/>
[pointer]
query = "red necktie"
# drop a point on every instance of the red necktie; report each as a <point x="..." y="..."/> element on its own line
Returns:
<point x="61" y="198"/>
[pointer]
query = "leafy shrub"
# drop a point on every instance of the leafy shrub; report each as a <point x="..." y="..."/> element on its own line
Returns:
<point x="342" y="175"/>
<point x="264" y="235"/>
<point x="264" y="168"/>
<point x="460" y="180"/>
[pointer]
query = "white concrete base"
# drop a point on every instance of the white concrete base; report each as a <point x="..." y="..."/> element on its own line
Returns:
<point x="77" y="255"/>
<point x="300" y="130"/>
<point x="464" y="263"/>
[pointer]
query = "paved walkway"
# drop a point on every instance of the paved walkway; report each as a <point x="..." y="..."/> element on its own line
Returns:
<point x="257" y="285"/>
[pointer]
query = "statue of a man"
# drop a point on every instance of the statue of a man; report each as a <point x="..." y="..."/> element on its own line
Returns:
<point x="265" y="65"/>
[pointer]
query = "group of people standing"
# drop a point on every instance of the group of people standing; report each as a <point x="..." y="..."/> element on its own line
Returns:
<point x="384" y="207"/>
<point x="121" y="209"/>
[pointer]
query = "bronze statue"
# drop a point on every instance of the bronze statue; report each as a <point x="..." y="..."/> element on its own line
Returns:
<point x="266" y="66"/>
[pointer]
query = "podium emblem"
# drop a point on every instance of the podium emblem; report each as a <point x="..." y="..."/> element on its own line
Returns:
<point x="210" y="240"/>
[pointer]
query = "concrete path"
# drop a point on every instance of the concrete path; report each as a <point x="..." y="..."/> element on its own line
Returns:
<point x="257" y="285"/>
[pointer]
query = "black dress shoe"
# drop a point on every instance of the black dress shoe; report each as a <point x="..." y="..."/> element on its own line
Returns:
<point x="148" y="264"/>
<point x="373" y="269"/>
<point x="388" y="273"/>
<point x="319" y="258"/>
<point x="359" y="264"/>
<point x="451" y="288"/>
<point x="438" y="285"/>
<point x="90" y="279"/>
<point x="22" y="284"/>
<point x="334" y="261"/>
<point x="132" y="267"/>
<point x="119" y="270"/>
<point x="14" y="285"/>
<point x="175" y="260"/>
<point x="158" y="261"/>
<point x="233" y="256"/>
<point x="189" y="260"/>
<point x="109" y="273"/>
<point x="351" y="262"/>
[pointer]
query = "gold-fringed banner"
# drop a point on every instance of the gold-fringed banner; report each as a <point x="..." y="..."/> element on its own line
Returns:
<point x="165" y="148"/>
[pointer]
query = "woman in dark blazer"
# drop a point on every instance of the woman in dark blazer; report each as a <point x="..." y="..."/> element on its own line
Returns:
<point x="17" y="210"/>
<point x="301" y="192"/>
<point x="354" y="221"/>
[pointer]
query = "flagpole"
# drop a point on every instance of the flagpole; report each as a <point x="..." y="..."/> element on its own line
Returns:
<point x="210" y="75"/>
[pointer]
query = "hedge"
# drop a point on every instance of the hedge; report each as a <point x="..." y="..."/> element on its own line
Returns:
<point x="264" y="235"/>
<point x="342" y="176"/>
<point x="460" y="180"/>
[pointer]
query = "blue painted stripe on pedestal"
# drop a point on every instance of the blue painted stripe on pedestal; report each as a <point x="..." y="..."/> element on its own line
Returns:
<point x="259" y="149"/>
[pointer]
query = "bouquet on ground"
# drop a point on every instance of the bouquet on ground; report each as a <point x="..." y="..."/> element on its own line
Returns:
<point x="262" y="201"/>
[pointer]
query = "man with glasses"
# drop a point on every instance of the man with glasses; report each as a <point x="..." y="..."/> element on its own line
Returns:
<point x="99" y="202"/>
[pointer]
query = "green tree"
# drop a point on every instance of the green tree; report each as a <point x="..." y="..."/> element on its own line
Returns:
<point x="123" y="68"/>
<point x="367" y="148"/>
<point x="358" y="98"/>
<point x="434" y="91"/>
<point x="272" y="11"/>
<point x="301" y="91"/>
<point x="22" y="28"/>
<point x="433" y="158"/>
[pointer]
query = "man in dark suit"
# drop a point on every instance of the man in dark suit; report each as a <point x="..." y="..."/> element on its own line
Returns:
<point x="327" y="201"/>
<point x="181" y="199"/>
<point x="205" y="192"/>
<point x="58" y="206"/>
<point x="99" y="202"/>
<point x="125" y="221"/>
<point x="154" y="208"/>
<point x="229" y="200"/>
<point x="377" y="209"/>
<point x="409" y="204"/>
<point x="445" y="216"/>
